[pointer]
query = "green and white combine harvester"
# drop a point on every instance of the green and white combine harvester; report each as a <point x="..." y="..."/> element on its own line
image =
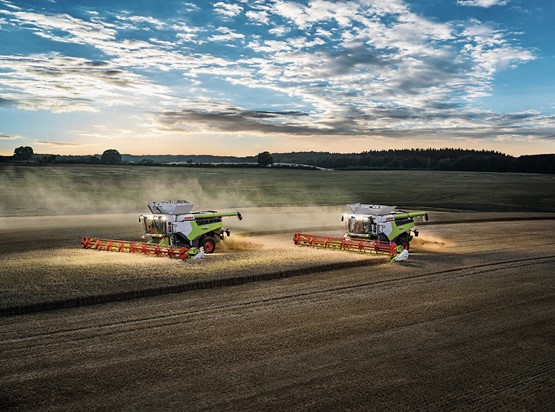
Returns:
<point x="372" y="229"/>
<point x="172" y="229"/>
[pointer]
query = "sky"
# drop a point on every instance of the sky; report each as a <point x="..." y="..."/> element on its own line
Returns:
<point x="240" y="77"/>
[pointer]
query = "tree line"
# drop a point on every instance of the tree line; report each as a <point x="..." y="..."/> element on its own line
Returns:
<point x="410" y="159"/>
<point x="26" y="154"/>
<point x="424" y="159"/>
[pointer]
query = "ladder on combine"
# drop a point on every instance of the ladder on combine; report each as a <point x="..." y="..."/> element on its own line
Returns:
<point x="352" y="245"/>
<point x="152" y="249"/>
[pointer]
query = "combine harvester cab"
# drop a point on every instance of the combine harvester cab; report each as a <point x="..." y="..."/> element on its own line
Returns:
<point x="382" y="223"/>
<point x="370" y="228"/>
<point x="173" y="223"/>
<point x="172" y="229"/>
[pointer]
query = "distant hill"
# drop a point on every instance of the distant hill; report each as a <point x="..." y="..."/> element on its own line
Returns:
<point x="411" y="159"/>
<point x="187" y="158"/>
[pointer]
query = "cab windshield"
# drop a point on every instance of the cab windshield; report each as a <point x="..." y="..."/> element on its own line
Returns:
<point x="154" y="225"/>
<point x="358" y="225"/>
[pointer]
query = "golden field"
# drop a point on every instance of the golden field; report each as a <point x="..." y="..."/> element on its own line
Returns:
<point x="466" y="323"/>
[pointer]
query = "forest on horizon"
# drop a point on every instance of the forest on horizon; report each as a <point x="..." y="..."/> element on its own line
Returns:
<point x="447" y="159"/>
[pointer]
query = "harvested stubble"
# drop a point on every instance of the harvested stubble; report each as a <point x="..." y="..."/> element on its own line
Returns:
<point x="62" y="273"/>
<point x="38" y="265"/>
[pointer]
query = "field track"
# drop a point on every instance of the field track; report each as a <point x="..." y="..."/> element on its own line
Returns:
<point x="467" y="323"/>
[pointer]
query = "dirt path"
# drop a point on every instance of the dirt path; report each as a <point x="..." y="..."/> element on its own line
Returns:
<point x="467" y="323"/>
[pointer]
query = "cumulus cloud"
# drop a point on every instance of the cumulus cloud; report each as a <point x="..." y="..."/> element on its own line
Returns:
<point x="141" y="21"/>
<point x="63" y="84"/>
<point x="226" y="34"/>
<point x="261" y="17"/>
<point x="227" y="9"/>
<point x="186" y="33"/>
<point x="190" y="7"/>
<point x="76" y="30"/>
<point x="317" y="11"/>
<point x="279" y="30"/>
<point x="483" y="3"/>
<point x="335" y="68"/>
<point x="489" y="51"/>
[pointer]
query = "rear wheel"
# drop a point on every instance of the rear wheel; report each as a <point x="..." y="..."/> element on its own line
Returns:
<point x="208" y="244"/>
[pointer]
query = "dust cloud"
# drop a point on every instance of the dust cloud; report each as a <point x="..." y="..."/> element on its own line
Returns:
<point x="106" y="201"/>
<point x="429" y="242"/>
<point x="64" y="191"/>
<point x="262" y="220"/>
<point x="238" y="244"/>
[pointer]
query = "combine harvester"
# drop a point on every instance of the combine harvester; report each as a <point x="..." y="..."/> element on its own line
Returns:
<point x="171" y="230"/>
<point x="371" y="229"/>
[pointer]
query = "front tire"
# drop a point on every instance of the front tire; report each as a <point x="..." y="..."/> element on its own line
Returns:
<point x="403" y="241"/>
<point x="208" y="244"/>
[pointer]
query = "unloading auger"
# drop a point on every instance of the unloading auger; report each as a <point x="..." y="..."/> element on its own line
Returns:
<point x="172" y="230"/>
<point x="375" y="229"/>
